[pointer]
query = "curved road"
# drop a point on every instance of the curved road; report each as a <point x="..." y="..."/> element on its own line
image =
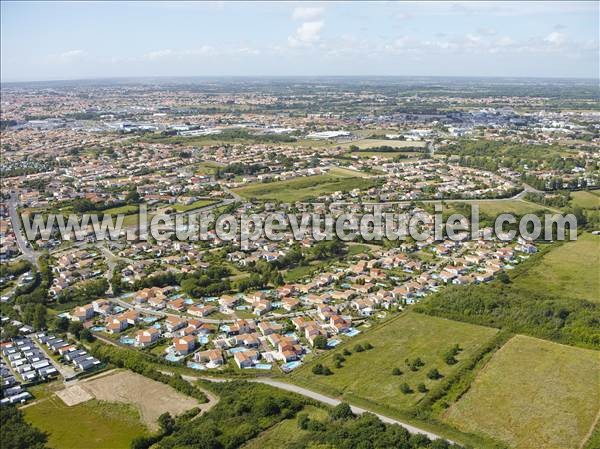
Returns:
<point x="331" y="401"/>
<point x="325" y="400"/>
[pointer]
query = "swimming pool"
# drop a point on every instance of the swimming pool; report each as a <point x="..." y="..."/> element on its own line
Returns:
<point x="262" y="366"/>
<point x="333" y="343"/>
<point x="291" y="365"/>
<point x="352" y="332"/>
<point x="234" y="350"/>
<point x="149" y="319"/>
<point x="195" y="365"/>
<point x="203" y="339"/>
<point x="98" y="329"/>
<point x="127" y="340"/>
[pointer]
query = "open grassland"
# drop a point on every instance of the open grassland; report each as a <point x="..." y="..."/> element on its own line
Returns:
<point x="570" y="270"/>
<point x="287" y="432"/>
<point x="533" y="394"/>
<point x="366" y="377"/>
<point x="90" y="425"/>
<point x="586" y="199"/>
<point x="305" y="187"/>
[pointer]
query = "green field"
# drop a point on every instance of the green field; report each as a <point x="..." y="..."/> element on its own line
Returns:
<point x="366" y="378"/>
<point x="533" y="394"/>
<point x="90" y="425"/>
<point x="305" y="187"/>
<point x="287" y="432"/>
<point x="494" y="208"/>
<point x="585" y="199"/>
<point x="372" y="143"/>
<point x="195" y="205"/>
<point x="570" y="270"/>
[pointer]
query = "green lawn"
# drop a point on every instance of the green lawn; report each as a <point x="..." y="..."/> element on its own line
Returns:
<point x="305" y="187"/>
<point x="287" y="432"/>
<point x="366" y="378"/>
<point x="533" y="394"/>
<point x="585" y="199"/>
<point x="570" y="270"/>
<point x="90" y="425"/>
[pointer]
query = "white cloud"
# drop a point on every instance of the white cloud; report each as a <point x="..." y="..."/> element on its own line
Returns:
<point x="205" y="50"/>
<point x="307" y="13"/>
<point x="555" y="38"/>
<point x="68" y="56"/>
<point x="308" y="33"/>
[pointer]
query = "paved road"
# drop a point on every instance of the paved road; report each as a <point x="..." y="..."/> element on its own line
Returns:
<point x="331" y="401"/>
<point x="65" y="371"/>
<point x="321" y="398"/>
<point x="24" y="246"/>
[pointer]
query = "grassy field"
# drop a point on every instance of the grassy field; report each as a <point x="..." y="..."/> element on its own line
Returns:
<point x="585" y="199"/>
<point x="495" y="208"/>
<point x="373" y="143"/>
<point x="533" y="394"/>
<point x="570" y="270"/>
<point x="286" y="432"/>
<point x="195" y="205"/>
<point x="366" y="377"/>
<point x="305" y="187"/>
<point x="91" y="425"/>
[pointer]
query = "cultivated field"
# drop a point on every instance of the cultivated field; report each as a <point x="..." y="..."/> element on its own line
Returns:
<point x="533" y="394"/>
<point x="305" y="187"/>
<point x="570" y="270"/>
<point x="151" y="398"/>
<point x="366" y="377"/>
<point x="89" y="425"/>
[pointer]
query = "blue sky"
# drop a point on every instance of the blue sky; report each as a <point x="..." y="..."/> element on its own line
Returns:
<point x="70" y="40"/>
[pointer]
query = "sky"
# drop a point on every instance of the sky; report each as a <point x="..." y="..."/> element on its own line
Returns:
<point x="72" y="40"/>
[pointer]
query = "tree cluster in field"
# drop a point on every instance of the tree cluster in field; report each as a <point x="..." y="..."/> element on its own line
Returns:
<point x="16" y="433"/>
<point x="84" y="291"/>
<point x="564" y="320"/>
<point x="343" y="429"/>
<point x="243" y="411"/>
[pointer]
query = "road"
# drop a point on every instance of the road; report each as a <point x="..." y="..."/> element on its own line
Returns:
<point x="23" y="244"/>
<point x="321" y="398"/>
<point x="65" y="371"/>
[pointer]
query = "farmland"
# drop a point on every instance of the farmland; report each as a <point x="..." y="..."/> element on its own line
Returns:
<point x="303" y="188"/>
<point x="90" y="425"/>
<point x="570" y="270"/>
<point x="367" y="377"/>
<point x="526" y="396"/>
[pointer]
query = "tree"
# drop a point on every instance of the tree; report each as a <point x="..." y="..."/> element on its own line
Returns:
<point x="320" y="342"/>
<point x="396" y="372"/>
<point x="341" y="411"/>
<point x="422" y="388"/>
<point x="62" y="324"/>
<point x="434" y="374"/>
<point x="359" y="348"/>
<point x="75" y="328"/>
<point x="16" y="433"/>
<point x="39" y="317"/>
<point x="166" y="423"/>
<point x="405" y="388"/>
<point x="87" y="335"/>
